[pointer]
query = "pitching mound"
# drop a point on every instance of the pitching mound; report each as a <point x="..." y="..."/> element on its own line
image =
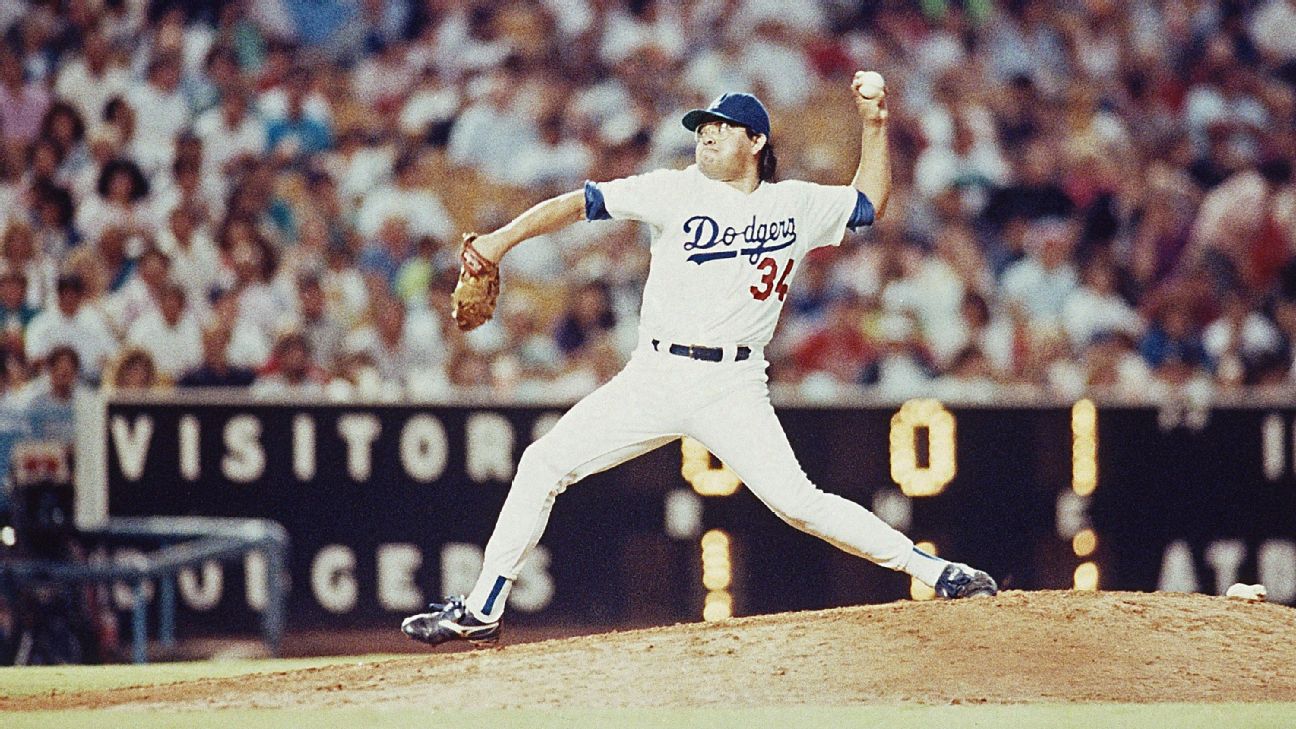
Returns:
<point x="1017" y="647"/>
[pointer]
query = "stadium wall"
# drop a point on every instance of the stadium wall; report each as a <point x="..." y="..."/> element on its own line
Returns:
<point x="388" y="505"/>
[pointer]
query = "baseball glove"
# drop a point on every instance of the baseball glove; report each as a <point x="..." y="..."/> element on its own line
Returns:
<point x="478" y="288"/>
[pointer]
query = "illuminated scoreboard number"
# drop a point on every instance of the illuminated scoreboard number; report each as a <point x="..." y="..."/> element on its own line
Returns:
<point x="914" y="416"/>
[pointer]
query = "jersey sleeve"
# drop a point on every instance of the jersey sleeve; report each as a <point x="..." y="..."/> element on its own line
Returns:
<point x="645" y="197"/>
<point x="831" y="209"/>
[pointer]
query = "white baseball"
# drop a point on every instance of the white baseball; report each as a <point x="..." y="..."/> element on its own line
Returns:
<point x="871" y="84"/>
<point x="1248" y="592"/>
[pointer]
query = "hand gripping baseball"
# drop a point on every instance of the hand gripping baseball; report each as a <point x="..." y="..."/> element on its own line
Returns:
<point x="478" y="288"/>
<point x="870" y="94"/>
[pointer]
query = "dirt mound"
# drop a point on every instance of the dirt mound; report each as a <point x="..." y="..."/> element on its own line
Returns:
<point x="1017" y="647"/>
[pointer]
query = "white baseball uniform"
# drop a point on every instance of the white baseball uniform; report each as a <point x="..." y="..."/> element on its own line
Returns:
<point x="721" y="260"/>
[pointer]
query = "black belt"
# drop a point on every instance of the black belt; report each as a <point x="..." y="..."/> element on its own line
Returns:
<point x="708" y="354"/>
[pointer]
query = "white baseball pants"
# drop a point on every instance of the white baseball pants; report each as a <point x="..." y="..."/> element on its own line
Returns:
<point x="657" y="398"/>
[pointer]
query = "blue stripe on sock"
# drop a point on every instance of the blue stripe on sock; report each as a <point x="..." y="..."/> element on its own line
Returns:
<point x="494" y="593"/>
<point x="921" y="553"/>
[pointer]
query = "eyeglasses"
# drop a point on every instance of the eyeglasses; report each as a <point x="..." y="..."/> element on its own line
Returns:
<point x="716" y="130"/>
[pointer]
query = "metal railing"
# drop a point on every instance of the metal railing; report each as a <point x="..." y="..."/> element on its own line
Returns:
<point x="188" y="543"/>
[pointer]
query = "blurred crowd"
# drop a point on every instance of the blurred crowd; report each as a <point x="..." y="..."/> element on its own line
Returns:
<point x="1091" y="195"/>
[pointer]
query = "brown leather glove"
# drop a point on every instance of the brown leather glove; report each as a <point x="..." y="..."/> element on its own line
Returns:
<point x="478" y="289"/>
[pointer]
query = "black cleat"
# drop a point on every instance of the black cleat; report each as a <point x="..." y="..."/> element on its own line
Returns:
<point x="959" y="580"/>
<point x="447" y="621"/>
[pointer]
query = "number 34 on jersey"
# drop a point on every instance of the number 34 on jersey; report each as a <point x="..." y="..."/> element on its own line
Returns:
<point x="773" y="280"/>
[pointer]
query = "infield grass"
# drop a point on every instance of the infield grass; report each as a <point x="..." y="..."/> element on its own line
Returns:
<point x="71" y="679"/>
<point x="1050" y="716"/>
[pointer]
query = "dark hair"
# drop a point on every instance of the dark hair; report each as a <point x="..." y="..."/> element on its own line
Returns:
<point x="115" y="108"/>
<point x="1276" y="170"/>
<point x="47" y="193"/>
<point x="62" y="108"/>
<point x="139" y="183"/>
<point x="63" y="351"/>
<point x="49" y="143"/>
<point x="766" y="162"/>
<point x="70" y="282"/>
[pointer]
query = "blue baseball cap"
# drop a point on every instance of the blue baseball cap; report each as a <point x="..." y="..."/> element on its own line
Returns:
<point x="741" y="109"/>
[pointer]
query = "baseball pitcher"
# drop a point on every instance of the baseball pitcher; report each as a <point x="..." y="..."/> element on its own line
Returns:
<point x="726" y="243"/>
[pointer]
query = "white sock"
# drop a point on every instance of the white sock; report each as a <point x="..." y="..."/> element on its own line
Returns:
<point x="926" y="568"/>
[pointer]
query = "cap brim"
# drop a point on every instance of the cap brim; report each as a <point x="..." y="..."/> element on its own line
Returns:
<point x="698" y="117"/>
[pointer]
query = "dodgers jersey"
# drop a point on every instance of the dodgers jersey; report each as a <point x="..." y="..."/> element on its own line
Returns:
<point x="721" y="259"/>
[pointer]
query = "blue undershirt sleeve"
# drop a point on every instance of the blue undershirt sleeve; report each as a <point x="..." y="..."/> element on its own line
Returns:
<point x="596" y="209"/>
<point x="863" y="214"/>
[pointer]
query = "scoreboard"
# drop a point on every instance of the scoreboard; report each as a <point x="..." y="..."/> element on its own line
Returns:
<point x="388" y="506"/>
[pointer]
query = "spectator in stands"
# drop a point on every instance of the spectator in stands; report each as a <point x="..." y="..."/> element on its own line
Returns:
<point x="312" y="318"/>
<point x="15" y="311"/>
<point x="1172" y="345"/>
<point x="70" y="324"/>
<point x="47" y="402"/>
<point x="905" y="366"/>
<point x="416" y="273"/>
<point x="132" y="371"/>
<point x="1246" y="227"/>
<point x="64" y="126"/>
<point x="290" y="372"/>
<point x="52" y="221"/>
<point x="531" y="348"/>
<point x="1161" y="228"/>
<point x="555" y="161"/>
<point x="990" y="335"/>
<point x="839" y="350"/>
<point x="195" y="263"/>
<point x="969" y="376"/>
<point x="260" y="305"/>
<point x="188" y="187"/>
<point x="1143" y="130"/>
<point x="387" y="252"/>
<point x="973" y="165"/>
<point x="138" y="296"/>
<point x="406" y="200"/>
<point x="169" y="334"/>
<point x="121" y="201"/>
<point x="382" y="79"/>
<point x="216" y="369"/>
<point x="344" y="287"/>
<point x="89" y="79"/>
<point x="1043" y="280"/>
<point x="297" y="135"/>
<point x="1033" y="193"/>
<point x="490" y="133"/>
<point x="22" y="103"/>
<point x="1112" y="364"/>
<point x="1240" y="337"/>
<point x="588" y="317"/>
<point x="231" y="132"/>
<point x="20" y="252"/>
<point x="397" y="341"/>
<point x="1096" y="306"/>
<point x="161" y="109"/>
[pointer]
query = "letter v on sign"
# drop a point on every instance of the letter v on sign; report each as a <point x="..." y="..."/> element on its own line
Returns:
<point x="132" y="444"/>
